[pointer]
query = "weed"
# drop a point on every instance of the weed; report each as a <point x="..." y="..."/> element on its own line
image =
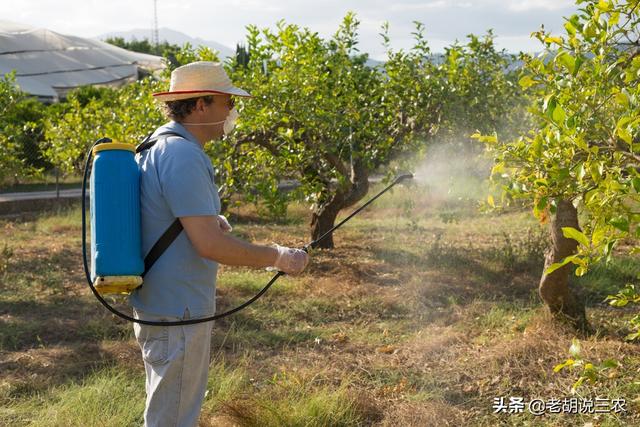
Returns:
<point x="6" y="255"/>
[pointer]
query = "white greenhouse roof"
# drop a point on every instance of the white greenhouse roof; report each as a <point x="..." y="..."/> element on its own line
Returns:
<point x="49" y="64"/>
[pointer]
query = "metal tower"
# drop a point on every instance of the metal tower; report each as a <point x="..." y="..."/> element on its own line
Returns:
<point x="154" y="34"/>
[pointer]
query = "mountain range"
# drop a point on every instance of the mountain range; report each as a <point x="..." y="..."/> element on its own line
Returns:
<point x="171" y="36"/>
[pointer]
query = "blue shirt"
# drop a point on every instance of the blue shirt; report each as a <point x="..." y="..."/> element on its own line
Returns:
<point x="177" y="179"/>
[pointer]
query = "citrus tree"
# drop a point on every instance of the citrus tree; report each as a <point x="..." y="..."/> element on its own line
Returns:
<point x="21" y="131"/>
<point x="322" y="116"/>
<point x="481" y="90"/>
<point x="126" y="115"/>
<point x="579" y="165"/>
<point x="9" y="161"/>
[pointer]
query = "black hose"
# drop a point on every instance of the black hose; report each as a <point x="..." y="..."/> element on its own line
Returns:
<point x="202" y="319"/>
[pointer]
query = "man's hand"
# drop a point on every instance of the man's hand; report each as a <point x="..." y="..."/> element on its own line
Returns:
<point x="291" y="261"/>
<point x="224" y="224"/>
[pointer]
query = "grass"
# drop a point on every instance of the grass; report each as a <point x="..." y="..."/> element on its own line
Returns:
<point x="294" y="399"/>
<point x="603" y="279"/>
<point x="105" y="398"/>
<point x="421" y="315"/>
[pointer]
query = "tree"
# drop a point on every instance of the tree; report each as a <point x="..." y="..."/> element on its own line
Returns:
<point x="580" y="162"/>
<point x="142" y="46"/>
<point x="9" y="95"/>
<point x="125" y="115"/>
<point x="165" y="49"/>
<point x="187" y="54"/>
<point x="321" y="115"/>
<point x="21" y="131"/>
<point x="174" y="54"/>
<point x="481" y="90"/>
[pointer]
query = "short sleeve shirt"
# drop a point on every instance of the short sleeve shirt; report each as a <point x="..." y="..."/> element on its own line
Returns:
<point x="177" y="179"/>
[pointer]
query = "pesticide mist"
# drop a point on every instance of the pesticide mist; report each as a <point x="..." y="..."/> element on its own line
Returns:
<point x="452" y="172"/>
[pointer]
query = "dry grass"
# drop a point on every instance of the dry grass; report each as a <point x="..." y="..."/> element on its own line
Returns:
<point x="410" y="321"/>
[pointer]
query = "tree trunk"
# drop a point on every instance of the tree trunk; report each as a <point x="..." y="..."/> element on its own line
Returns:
<point x="554" y="289"/>
<point x="324" y="216"/>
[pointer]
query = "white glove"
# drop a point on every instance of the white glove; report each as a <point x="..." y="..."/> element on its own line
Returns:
<point x="291" y="261"/>
<point x="224" y="224"/>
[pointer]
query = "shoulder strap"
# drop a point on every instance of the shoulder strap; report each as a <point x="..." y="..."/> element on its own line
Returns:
<point x="162" y="244"/>
<point x="149" y="142"/>
<point x="174" y="229"/>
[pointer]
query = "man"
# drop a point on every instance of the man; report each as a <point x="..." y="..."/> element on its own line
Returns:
<point x="177" y="181"/>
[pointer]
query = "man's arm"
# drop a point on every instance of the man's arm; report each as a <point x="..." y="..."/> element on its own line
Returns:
<point x="212" y="243"/>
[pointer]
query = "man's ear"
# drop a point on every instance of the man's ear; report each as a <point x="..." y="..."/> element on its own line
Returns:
<point x="200" y="105"/>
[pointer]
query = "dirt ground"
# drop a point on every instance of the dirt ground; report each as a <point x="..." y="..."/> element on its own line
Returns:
<point x="422" y="320"/>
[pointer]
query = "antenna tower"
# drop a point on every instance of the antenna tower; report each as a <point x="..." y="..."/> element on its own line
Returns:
<point x="154" y="35"/>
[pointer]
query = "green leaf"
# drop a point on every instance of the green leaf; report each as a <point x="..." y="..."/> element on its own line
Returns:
<point x="616" y="302"/>
<point x="624" y="135"/>
<point x="577" y="384"/>
<point x="604" y="6"/>
<point x="581" y="172"/>
<point x="491" y="139"/>
<point x="596" y="171"/>
<point x="542" y="203"/>
<point x="608" y="250"/>
<point x="567" y="60"/>
<point x="546" y="101"/>
<point x="553" y="267"/>
<point x="526" y="82"/>
<point x="633" y="336"/>
<point x="589" y="30"/>
<point x="567" y="364"/>
<point x="498" y="168"/>
<point x="559" y="115"/>
<point x="622" y="99"/>
<point x="550" y="106"/>
<point x="572" y="233"/>
<point x="621" y="223"/>
<point x="570" y="28"/>
<point x="614" y="18"/>
<point x="556" y="40"/>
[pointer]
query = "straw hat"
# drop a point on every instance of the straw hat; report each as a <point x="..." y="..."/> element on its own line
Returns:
<point x="196" y="79"/>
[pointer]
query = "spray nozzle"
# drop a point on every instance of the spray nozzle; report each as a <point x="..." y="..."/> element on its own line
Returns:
<point x="403" y="177"/>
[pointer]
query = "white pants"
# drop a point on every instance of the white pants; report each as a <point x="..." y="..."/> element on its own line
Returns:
<point x="176" y="361"/>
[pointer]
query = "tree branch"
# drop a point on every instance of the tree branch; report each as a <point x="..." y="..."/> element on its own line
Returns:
<point x="262" y="139"/>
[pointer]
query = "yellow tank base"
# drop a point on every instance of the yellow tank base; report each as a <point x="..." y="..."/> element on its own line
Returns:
<point x="116" y="285"/>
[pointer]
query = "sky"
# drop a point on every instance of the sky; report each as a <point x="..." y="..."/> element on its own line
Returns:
<point x="224" y="21"/>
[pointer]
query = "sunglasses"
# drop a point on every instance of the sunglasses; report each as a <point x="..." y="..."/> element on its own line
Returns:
<point x="231" y="102"/>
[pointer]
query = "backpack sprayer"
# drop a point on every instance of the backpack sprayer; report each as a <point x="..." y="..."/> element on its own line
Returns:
<point x="117" y="266"/>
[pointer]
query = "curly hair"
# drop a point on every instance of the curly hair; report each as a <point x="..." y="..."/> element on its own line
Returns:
<point x="179" y="110"/>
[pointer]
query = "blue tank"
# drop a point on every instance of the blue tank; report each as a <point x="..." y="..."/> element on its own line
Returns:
<point x="116" y="246"/>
